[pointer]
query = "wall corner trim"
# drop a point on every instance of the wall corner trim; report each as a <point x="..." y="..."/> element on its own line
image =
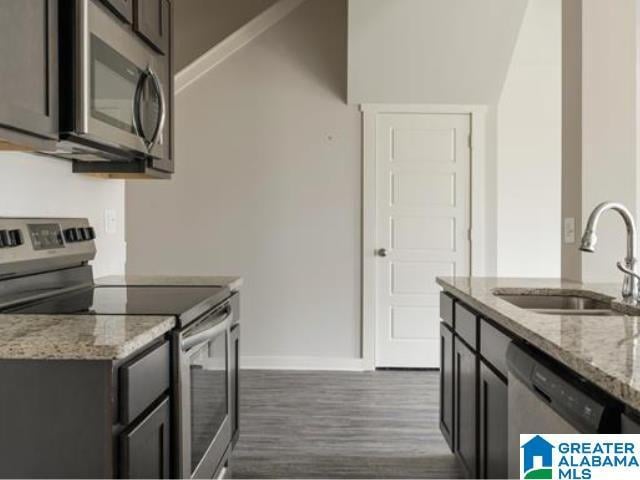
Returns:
<point x="234" y="42"/>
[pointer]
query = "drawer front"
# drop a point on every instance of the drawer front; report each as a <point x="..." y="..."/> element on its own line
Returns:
<point x="493" y="346"/>
<point x="446" y="308"/>
<point x="143" y="380"/>
<point x="466" y="324"/>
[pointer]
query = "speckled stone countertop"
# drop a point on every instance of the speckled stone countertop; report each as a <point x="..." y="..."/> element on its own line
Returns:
<point x="78" y="337"/>
<point x="603" y="349"/>
<point x="94" y="337"/>
<point x="234" y="283"/>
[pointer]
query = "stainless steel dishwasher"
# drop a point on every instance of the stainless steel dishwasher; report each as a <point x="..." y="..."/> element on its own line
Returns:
<point x="545" y="397"/>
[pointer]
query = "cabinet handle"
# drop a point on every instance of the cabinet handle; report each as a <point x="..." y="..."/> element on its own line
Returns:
<point x="484" y="420"/>
<point x="442" y="374"/>
<point x="161" y="457"/>
<point x="457" y="402"/>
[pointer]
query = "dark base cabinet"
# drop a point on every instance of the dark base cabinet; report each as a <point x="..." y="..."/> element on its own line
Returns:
<point x="65" y="418"/>
<point x="493" y="425"/>
<point x="446" y="384"/>
<point x="466" y="394"/>
<point x="473" y="389"/>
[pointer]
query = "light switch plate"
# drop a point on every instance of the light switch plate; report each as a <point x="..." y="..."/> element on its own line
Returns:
<point x="110" y="221"/>
<point x="569" y="230"/>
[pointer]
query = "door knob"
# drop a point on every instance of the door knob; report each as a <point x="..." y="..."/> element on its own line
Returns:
<point x="382" y="252"/>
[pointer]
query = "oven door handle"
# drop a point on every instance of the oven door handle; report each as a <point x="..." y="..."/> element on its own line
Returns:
<point x="200" y="338"/>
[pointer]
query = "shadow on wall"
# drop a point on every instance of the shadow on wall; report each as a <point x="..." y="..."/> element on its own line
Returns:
<point x="329" y="66"/>
<point x="201" y="24"/>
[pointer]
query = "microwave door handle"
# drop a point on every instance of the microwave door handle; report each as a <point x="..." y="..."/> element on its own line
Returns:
<point x="137" y="104"/>
<point x="163" y="107"/>
<point x="203" y="337"/>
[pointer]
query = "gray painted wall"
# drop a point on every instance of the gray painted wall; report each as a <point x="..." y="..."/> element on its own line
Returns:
<point x="530" y="148"/>
<point x="268" y="186"/>
<point x="431" y="51"/>
<point x="201" y="24"/>
<point x="599" y="128"/>
<point x="572" y="132"/>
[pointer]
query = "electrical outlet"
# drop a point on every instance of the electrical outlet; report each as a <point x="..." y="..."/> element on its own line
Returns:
<point x="569" y="230"/>
<point x="110" y="221"/>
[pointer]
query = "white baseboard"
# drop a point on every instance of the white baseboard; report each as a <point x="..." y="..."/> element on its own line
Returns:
<point x="251" y="362"/>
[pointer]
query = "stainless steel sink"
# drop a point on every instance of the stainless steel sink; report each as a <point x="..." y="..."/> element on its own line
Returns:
<point x="555" y="304"/>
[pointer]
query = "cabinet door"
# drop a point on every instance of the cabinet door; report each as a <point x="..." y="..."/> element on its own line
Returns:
<point x="493" y="425"/>
<point x="466" y="411"/>
<point x="29" y="66"/>
<point x="122" y="8"/>
<point x="152" y="22"/>
<point x="446" y="384"/>
<point x="145" y="448"/>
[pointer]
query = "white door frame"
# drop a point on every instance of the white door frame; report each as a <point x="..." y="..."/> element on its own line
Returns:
<point x="477" y="114"/>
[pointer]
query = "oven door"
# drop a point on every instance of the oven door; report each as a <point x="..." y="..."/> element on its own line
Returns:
<point x="203" y="406"/>
<point x="121" y="102"/>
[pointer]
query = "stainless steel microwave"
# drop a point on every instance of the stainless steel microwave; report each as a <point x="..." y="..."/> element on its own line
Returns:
<point x="114" y="104"/>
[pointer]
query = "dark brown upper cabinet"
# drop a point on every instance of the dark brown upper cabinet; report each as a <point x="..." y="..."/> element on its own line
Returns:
<point x="122" y="8"/>
<point x="152" y="21"/>
<point x="28" y="74"/>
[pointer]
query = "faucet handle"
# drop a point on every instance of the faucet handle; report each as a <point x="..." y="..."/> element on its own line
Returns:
<point x="627" y="270"/>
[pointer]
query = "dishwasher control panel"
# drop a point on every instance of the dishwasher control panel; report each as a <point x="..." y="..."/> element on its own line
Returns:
<point x="567" y="399"/>
<point x="583" y="405"/>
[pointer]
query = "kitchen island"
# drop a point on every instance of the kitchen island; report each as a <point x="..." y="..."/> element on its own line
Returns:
<point x="601" y="348"/>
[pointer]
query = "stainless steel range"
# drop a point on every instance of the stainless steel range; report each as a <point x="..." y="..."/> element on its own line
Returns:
<point x="44" y="269"/>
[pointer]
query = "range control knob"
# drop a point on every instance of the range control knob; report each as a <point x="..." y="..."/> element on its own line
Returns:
<point x="90" y="233"/>
<point x="4" y="238"/>
<point x="79" y="234"/>
<point x="16" y="237"/>
<point x="70" y="235"/>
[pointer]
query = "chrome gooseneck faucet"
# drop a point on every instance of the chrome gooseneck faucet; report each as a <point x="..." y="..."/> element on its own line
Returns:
<point x="629" y="268"/>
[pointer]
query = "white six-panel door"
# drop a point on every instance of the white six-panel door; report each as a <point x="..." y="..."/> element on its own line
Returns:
<point x="422" y="222"/>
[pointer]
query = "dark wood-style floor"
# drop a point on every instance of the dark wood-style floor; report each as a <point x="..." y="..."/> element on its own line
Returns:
<point x="341" y="425"/>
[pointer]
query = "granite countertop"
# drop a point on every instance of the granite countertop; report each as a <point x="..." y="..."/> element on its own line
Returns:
<point x="94" y="337"/>
<point x="234" y="283"/>
<point x="603" y="349"/>
<point x="78" y="337"/>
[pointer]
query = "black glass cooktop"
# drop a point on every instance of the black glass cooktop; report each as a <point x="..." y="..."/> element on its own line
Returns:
<point x="187" y="302"/>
